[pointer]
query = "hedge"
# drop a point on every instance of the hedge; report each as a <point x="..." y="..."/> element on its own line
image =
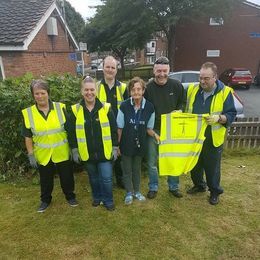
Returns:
<point x="14" y="96"/>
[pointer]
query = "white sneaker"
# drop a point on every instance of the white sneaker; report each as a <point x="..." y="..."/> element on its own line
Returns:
<point x="139" y="196"/>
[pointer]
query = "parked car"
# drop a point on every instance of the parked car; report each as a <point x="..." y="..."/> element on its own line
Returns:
<point x="236" y="77"/>
<point x="187" y="77"/>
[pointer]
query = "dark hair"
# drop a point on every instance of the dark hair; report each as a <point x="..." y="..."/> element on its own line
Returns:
<point x="210" y="65"/>
<point x="87" y="79"/>
<point x="162" y="60"/>
<point x="135" y="80"/>
<point x="39" y="83"/>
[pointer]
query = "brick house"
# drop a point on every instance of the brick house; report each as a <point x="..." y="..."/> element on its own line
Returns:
<point x="230" y="42"/>
<point x="34" y="38"/>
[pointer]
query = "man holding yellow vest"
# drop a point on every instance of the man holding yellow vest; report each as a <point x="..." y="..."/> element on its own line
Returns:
<point x="112" y="91"/>
<point x="213" y="97"/>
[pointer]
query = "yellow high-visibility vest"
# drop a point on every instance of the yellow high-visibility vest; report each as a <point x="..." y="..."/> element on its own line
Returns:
<point x="216" y="108"/>
<point x="77" y="110"/>
<point x="182" y="136"/>
<point x="49" y="136"/>
<point x="120" y="90"/>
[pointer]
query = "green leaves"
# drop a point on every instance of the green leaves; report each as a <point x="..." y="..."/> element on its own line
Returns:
<point x="15" y="95"/>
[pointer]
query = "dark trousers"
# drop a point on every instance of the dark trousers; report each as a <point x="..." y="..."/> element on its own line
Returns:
<point x="209" y="161"/>
<point x="118" y="172"/>
<point x="132" y="172"/>
<point x="64" y="169"/>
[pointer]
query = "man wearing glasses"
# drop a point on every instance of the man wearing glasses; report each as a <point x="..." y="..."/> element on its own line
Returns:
<point x="166" y="95"/>
<point x="210" y="96"/>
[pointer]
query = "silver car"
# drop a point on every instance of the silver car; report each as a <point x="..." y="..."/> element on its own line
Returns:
<point x="187" y="77"/>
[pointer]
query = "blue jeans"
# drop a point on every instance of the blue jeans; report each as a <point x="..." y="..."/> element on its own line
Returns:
<point x="152" y="161"/>
<point x="100" y="178"/>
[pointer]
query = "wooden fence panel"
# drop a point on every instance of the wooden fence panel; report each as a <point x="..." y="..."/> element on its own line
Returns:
<point x="244" y="133"/>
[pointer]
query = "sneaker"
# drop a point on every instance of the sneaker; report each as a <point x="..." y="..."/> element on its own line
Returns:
<point x="151" y="194"/>
<point x="95" y="203"/>
<point x="196" y="189"/>
<point x="128" y="199"/>
<point x="110" y="207"/>
<point x="43" y="206"/>
<point x="139" y="196"/>
<point x="73" y="202"/>
<point x="176" y="193"/>
<point x="213" y="199"/>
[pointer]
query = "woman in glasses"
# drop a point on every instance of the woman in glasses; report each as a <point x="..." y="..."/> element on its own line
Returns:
<point x="135" y="118"/>
<point x="93" y="137"/>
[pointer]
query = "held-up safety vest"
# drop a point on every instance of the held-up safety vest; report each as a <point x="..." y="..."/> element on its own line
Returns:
<point x="49" y="136"/>
<point x="182" y="136"/>
<point x="120" y="90"/>
<point x="216" y="108"/>
<point x="77" y="110"/>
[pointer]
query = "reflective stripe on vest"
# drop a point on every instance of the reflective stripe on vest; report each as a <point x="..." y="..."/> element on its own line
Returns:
<point x="120" y="90"/>
<point x="77" y="110"/>
<point x="216" y="108"/>
<point x="49" y="136"/>
<point x="182" y="136"/>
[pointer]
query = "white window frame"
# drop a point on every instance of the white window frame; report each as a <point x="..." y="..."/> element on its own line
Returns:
<point x="216" y="21"/>
<point x="213" y="53"/>
<point x="2" y="68"/>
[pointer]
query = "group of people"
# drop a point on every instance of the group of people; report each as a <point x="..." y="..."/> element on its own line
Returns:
<point x="116" y="126"/>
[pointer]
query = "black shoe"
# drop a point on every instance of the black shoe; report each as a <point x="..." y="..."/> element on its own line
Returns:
<point x="43" y="206"/>
<point x="95" y="203"/>
<point x="73" y="202"/>
<point x="110" y="207"/>
<point x="151" y="194"/>
<point x="213" y="199"/>
<point x="196" y="189"/>
<point x="176" y="193"/>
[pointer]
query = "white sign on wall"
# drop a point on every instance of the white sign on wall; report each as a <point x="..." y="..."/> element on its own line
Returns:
<point x="213" y="53"/>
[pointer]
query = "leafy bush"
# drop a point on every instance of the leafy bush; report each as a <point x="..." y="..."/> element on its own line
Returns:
<point x="14" y="96"/>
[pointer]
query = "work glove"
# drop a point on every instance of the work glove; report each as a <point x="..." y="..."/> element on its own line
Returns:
<point x="177" y="111"/>
<point x="75" y="155"/>
<point x="115" y="152"/>
<point x="32" y="161"/>
<point x="213" y="119"/>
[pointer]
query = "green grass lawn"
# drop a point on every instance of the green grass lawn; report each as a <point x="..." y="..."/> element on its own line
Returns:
<point x="163" y="228"/>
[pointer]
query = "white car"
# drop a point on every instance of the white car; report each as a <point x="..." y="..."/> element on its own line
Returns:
<point x="187" y="77"/>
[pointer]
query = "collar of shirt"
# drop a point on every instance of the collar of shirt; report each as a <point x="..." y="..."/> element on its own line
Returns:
<point x="50" y="106"/>
<point x="117" y="83"/>
<point x="207" y="94"/>
<point x="143" y="102"/>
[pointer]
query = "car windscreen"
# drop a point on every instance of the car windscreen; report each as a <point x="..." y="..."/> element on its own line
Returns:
<point x="242" y="73"/>
<point x="190" y="77"/>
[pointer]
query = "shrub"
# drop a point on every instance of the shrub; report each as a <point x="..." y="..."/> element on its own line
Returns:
<point x="14" y="96"/>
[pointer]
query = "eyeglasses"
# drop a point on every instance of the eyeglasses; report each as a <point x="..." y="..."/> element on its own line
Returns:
<point x="88" y="79"/>
<point x="162" y="60"/>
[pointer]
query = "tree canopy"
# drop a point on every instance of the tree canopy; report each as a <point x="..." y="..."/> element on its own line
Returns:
<point x="74" y="20"/>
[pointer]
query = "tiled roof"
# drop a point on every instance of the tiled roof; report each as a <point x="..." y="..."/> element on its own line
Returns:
<point x="18" y="18"/>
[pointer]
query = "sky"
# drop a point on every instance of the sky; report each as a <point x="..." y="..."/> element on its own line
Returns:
<point x="82" y="6"/>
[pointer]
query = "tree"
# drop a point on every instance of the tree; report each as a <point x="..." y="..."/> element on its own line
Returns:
<point x="74" y="20"/>
<point x="168" y="13"/>
<point x="118" y="26"/>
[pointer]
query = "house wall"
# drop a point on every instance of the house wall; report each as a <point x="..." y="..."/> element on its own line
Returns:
<point x="45" y="55"/>
<point x="234" y="40"/>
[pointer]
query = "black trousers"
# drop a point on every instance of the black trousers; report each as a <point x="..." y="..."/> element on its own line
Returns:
<point x="209" y="161"/>
<point x="65" y="171"/>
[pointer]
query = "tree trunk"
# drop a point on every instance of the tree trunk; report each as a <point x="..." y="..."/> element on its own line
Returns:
<point x="171" y="46"/>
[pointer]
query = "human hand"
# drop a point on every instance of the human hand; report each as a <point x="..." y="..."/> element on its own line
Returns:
<point x="75" y="155"/>
<point x="177" y="111"/>
<point x="213" y="119"/>
<point x="115" y="153"/>
<point x="157" y="138"/>
<point x="32" y="161"/>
